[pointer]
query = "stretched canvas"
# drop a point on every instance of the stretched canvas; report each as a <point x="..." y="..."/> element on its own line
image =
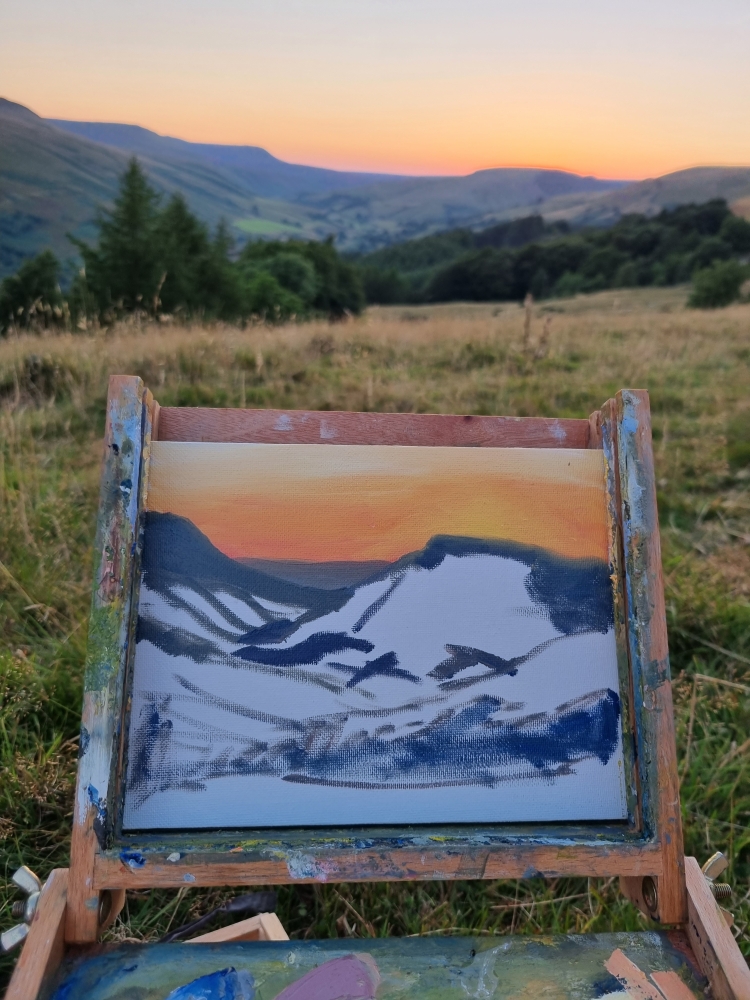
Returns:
<point x="345" y="635"/>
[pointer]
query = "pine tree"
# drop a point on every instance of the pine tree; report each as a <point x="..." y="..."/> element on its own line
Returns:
<point x="123" y="270"/>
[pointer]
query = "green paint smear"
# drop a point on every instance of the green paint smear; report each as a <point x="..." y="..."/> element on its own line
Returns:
<point x="103" y="655"/>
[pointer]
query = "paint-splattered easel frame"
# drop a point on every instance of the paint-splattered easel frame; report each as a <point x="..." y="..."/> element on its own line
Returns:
<point x="646" y="852"/>
<point x="104" y="862"/>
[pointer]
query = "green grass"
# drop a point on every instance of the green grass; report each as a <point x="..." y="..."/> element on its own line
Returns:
<point x="452" y="359"/>
<point x="264" y="227"/>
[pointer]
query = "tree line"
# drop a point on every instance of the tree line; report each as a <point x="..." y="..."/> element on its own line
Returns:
<point x="703" y="243"/>
<point x="160" y="259"/>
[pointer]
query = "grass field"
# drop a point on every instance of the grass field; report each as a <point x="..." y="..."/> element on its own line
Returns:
<point x="468" y="359"/>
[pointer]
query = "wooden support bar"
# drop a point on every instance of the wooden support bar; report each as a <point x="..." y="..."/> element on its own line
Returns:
<point x="110" y="629"/>
<point x="188" y="423"/>
<point x="283" y="867"/>
<point x="44" y="945"/>
<point x="649" y="657"/>
<point x="714" y="946"/>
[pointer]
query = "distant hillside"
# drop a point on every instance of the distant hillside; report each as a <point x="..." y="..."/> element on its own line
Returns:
<point x="54" y="174"/>
<point x="258" y="172"/>
<point x="52" y="182"/>
<point x="377" y="215"/>
<point x="684" y="187"/>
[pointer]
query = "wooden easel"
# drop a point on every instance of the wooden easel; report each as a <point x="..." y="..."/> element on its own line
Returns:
<point x="646" y="852"/>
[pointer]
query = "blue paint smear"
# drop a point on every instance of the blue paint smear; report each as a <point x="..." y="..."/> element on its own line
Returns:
<point x="466" y="746"/>
<point x="133" y="859"/>
<point x="385" y="666"/>
<point x="228" y="984"/>
<point x="100" y="820"/>
<point x="310" y="650"/>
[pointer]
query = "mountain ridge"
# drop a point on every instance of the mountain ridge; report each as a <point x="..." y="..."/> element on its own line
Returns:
<point x="55" y="174"/>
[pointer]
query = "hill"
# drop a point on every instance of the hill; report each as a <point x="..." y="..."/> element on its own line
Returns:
<point x="54" y="174"/>
<point x="253" y="169"/>
<point x="683" y="187"/>
<point x="52" y="182"/>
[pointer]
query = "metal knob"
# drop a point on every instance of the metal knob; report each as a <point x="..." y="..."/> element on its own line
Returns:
<point x="715" y="866"/>
<point x="29" y="883"/>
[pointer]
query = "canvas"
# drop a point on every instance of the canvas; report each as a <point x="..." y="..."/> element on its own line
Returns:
<point x="346" y="635"/>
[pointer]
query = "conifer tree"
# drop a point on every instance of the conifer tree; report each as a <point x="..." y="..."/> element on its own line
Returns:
<point x="123" y="270"/>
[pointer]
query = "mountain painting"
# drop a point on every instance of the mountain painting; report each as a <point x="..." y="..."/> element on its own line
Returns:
<point x="345" y="635"/>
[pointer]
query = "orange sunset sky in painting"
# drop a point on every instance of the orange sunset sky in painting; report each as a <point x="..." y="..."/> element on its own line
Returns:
<point x="340" y="503"/>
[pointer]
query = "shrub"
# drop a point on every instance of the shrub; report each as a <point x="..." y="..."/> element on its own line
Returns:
<point x="717" y="285"/>
<point x="33" y="293"/>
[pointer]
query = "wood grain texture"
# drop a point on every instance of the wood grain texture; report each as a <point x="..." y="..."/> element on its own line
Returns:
<point x="595" y="429"/>
<point x="44" y="945"/>
<point x="338" y="427"/>
<point x="631" y="977"/>
<point x="718" y="955"/>
<point x="672" y="987"/>
<point x="110" y="628"/>
<point x="649" y="657"/>
<point x="263" y="927"/>
<point x="361" y="865"/>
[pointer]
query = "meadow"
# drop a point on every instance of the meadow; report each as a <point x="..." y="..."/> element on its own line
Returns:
<point x="570" y="357"/>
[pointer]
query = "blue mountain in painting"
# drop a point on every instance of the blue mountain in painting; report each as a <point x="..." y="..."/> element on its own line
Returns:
<point x="469" y="662"/>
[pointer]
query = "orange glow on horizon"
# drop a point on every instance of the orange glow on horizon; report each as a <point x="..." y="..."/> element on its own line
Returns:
<point x="317" y="503"/>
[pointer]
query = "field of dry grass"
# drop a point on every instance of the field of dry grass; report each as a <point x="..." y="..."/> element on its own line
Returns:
<point x="456" y="358"/>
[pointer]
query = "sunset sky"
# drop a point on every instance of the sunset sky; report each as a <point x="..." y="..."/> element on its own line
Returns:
<point x="348" y="502"/>
<point x="617" y="88"/>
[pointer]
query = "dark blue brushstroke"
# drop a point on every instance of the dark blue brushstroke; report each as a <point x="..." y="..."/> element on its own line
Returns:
<point x="228" y="984"/>
<point x="377" y="605"/>
<point x="310" y="650"/>
<point x="576" y="592"/>
<point x="463" y="657"/>
<point x="270" y="632"/>
<point x="385" y="666"/>
<point x="177" y="553"/>
<point x="465" y="747"/>
<point x="152" y="734"/>
<point x="173" y="640"/>
<point x="460" y="747"/>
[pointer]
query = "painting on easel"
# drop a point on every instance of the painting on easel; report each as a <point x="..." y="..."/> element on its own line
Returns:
<point x="335" y="635"/>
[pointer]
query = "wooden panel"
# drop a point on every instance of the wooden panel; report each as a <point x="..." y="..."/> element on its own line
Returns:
<point x="264" y="927"/>
<point x="108" y="645"/>
<point x="43" y="948"/>
<point x="714" y="946"/>
<point x="649" y="658"/>
<point x="671" y="986"/>
<point x="335" y="427"/>
<point x="277" y="865"/>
